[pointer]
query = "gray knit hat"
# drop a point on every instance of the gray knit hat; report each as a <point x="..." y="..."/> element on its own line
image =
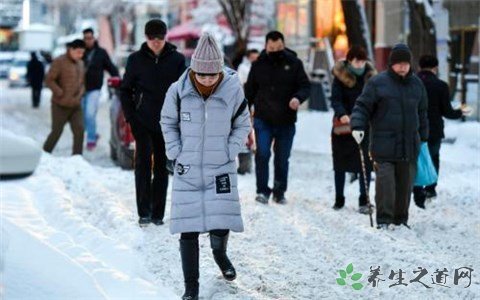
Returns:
<point x="207" y="57"/>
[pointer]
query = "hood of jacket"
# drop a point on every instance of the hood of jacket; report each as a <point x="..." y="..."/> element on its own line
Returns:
<point x="288" y="54"/>
<point x="342" y="73"/>
<point x="167" y="49"/>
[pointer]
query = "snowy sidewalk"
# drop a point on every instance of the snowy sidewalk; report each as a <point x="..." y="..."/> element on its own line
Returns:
<point x="81" y="218"/>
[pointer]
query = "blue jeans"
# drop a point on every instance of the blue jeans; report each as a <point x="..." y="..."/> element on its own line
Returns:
<point x="282" y="136"/>
<point x="90" y="104"/>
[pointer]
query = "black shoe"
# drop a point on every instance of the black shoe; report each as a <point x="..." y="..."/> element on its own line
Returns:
<point x="279" y="199"/>
<point x="419" y="197"/>
<point x="189" y="254"/>
<point x="382" y="226"/>
<point x="364" y="209"/>
<point x="262" y="198"/>
<point x="144" y="221"/>
<point x="157" y="222"/>
<point x="430" y="194"/>
<point x="339" y="202"/>
<point x="219" y="249"/>
<point x="419" y="201"/>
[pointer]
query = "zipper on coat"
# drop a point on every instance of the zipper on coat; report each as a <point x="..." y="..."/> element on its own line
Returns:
<point x="156" y="60"/>
<point x="205" y="106"/>
<point x="404" y="144"/>
<point x="139" y="103"/>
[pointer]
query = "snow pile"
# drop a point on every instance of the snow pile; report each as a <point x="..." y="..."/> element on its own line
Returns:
<point x="52" y="251"/>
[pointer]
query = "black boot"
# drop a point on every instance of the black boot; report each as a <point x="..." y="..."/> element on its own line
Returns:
<point x="189" y="253"/>
<point x="219" y="247"/>
<point x="419" y="196"/>
<point x="339" y="202"/>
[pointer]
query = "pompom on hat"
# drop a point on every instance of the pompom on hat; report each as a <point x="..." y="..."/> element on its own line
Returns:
<point x="207" y="57"/>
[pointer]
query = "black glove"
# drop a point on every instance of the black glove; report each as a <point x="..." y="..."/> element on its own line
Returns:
<point x="170" y="166"/>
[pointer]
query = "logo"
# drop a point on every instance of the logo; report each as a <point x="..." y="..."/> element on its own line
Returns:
<point x="347" y="278"/>
<point x="442" y="277"/>
<point x="186" y="116"/>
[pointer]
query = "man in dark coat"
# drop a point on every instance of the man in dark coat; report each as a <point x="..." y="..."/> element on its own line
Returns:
<point x="276" y="86"/>
<point x="96" y="62"/>
<point x="35" y="75"/>
<point x="148" y="75"/>
<point x="439" y="106"/>
<point x="395" y="104"/>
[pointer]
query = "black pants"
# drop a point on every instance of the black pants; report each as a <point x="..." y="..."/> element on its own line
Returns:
<point x="194" y="235"/>
<point x="36" y="95"/>
<point x="151" y="194"/>
<point x="340" y="186"/>
<point x="393" y="189"/>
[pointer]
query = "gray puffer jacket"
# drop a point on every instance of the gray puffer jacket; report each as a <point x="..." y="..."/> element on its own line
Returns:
<point x="205" y="143"/>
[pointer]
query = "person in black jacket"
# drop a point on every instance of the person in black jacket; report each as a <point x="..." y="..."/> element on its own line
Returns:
<point x="395" y="104"/>
<point x="148" y="75"/>
<point x="276" y="86"/>
<point x="35" y="75"/>
<point x="350" y="76"/>
<point x="96" y="61"/>
<point x="439" y="106"/>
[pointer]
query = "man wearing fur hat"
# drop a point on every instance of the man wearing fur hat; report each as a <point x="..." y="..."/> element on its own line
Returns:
<point x="394" y="104"/>
<point x="148" y="75"/>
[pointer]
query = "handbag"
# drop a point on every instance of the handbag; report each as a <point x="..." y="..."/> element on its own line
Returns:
<point x="426" y="173"/>
<point x="340" y="128"/>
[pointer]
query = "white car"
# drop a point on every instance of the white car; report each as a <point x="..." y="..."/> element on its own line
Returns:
<point x="17" y="74"/>
<point x="19" y="156"/>
<point x="6" y="59"/>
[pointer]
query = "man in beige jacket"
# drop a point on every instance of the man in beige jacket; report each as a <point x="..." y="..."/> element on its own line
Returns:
<point x="65" y="78"/>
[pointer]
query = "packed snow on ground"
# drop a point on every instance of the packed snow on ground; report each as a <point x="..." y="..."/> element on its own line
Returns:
<point x="70" y="230"/>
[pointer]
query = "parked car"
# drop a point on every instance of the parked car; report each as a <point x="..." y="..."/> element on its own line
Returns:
<point x="122" y="142"/>
<point x="19" y="156"/>
<point x="6" y="59"/>
<point x="17" y="73"/>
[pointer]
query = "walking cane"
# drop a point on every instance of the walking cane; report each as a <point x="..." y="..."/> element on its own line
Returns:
<point x="362" y="159"/>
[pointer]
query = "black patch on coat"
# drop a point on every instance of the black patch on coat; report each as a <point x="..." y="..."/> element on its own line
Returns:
<point x="222" y="184"/>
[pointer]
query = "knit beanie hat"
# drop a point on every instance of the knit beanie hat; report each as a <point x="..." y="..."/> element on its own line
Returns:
<point x="156" y="27"/>
<point x="400" y="53"/>
<point x="207" y="57"/>
<point x="428" y="62"/>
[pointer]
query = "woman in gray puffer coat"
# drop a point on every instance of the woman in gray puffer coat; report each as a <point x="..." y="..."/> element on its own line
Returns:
<point x="205" y="122"/>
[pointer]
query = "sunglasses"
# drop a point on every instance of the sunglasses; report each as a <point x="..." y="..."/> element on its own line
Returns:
<point x="152" y="37"/>
<point x="204" y="75"/>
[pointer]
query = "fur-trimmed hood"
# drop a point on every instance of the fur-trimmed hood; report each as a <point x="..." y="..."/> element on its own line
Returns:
<point x="341" y="71"/>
